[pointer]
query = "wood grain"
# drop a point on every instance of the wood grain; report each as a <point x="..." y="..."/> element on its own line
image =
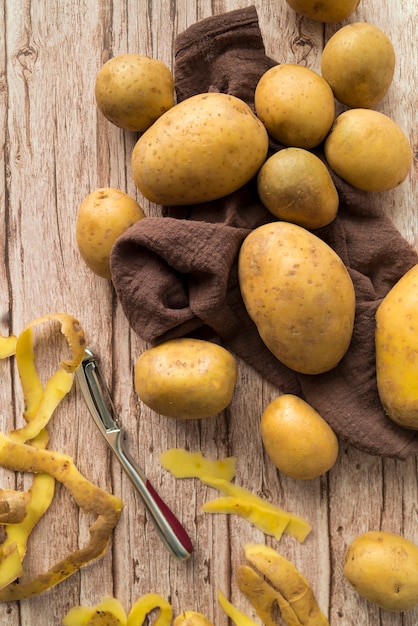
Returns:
<point x="56" y="148"/>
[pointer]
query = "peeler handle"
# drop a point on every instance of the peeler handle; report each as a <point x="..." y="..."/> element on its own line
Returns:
<point x="101" y="408"/>
<point x="168" y="526"/>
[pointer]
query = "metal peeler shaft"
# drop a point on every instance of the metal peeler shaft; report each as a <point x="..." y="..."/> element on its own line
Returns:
<point x="101" y="409"/>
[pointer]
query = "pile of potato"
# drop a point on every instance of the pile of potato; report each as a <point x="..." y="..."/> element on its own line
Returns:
<point x="294" y="286"/>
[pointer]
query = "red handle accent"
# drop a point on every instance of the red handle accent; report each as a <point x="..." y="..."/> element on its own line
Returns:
<point x="180" y="532"/>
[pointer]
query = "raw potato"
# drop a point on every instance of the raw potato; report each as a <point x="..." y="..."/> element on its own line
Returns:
<point x="133" y="90"/>
<point x="326" y="10"/>
<point x="383" y="568"/>
<point x="296" y="186"/>
<point x="296" y="105"/>
<point x="299" y="294"/>
<point x="297" y="439"/>
<point x="358" y="62"/>
<point x="204" y="148"/>
<point x="192" y="618"/>
<point x="186" y="378"/>
<point x="397" y="351"/>
<point x="102" y="217"/>
<point x="368" y="150"/>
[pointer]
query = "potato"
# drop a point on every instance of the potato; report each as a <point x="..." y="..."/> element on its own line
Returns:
<point x="383" y="568"/>
<point x="298" y="441"/>
<point x="326" y="10"/>
<point x="358" y="62"/>
<point x="101" y="218"/>
<point x="133" y="90"/>
<point x="368" y="150"/>
<point x="296" y="105"/>
<point x="299" y="294"/>
<point x="192" y="618"/>
<point x="204" y="148"/>
<point x="296" y="186"/>
<point x="397" y="351"/>
<point x="186" y="378"/>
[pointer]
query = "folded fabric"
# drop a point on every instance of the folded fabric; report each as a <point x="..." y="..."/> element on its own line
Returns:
<point x="176" y="275"/>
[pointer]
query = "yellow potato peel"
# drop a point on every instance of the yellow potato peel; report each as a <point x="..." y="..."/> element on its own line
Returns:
<point x="269" y="518"/>
<point x="238" y="617"/>
<point x="7" y="346"/>
<point x="110" y="612"/>
<point x="184" y="464"/>
<point x="278" y="583"/>
<point x="10" y="565"/>
<point x="218" y="474"/>
<point x="25" y="458"/>
<point x="24" y="450"/>
<point x="145" y="605"/>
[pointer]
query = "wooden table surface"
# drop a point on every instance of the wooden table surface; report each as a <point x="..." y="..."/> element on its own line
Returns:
<point x="56" y="148"/>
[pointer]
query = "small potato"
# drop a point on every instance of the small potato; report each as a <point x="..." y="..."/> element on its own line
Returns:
<point x="368" y="150"/>
<point x="186" y="378"/>
<point x="204" y="148"/>
<point x="133" y="90"/>
<point x="102" y="217"/>
<point x="297" y="439"/>
<point x="296" y="186"/>
<point x="397" y="351"/>
<point x="326" y="10"/>
<point x="383" y="568"/>
<point x="296" y="105"/>
<point x="299" y="294"/>
<point x="358" y="62"/>
<point x="192" y="618"/>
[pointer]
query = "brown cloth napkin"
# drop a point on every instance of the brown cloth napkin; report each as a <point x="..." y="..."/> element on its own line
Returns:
<point x="176" y="275"/>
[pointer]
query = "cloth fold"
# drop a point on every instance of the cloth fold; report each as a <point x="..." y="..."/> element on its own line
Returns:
<point x="177" y="275"/>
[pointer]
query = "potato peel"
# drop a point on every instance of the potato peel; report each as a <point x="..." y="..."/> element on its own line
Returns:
<point x="110" y="612"/>
<point x="25" y="458"/>
<point x="238" y="617"/>
<point x="24" y="450"/>
<point x="185" y="464"/>
<point x="252" y="506"/>
<point x="237" y="500"/>
<point x="277" y="582"/>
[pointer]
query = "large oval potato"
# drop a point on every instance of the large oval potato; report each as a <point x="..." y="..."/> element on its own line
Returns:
<point x="397" y="351"/>
<point x="186" y="378"/>
<point x="383" y="568"/>
<point x="202" y="149"/>
<point x="298" y="441"/>
<point x="299" y="294"/>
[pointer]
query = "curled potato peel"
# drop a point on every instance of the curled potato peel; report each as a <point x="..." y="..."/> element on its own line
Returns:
<point x="235" y="615"/>
<point x="24" y="450"/>
<point x="25" y="458"/>
<point x="110" y="612"/>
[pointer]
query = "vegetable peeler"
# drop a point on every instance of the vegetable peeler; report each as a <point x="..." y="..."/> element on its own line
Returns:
<point x="101" y="408"/>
